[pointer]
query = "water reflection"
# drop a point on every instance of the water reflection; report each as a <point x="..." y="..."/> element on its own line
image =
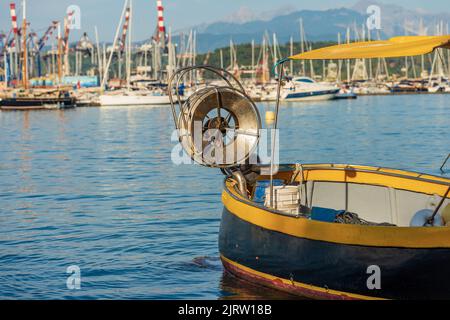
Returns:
<point x="235" y="289"/>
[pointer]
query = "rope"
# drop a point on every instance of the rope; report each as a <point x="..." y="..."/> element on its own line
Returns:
<point x="353" y="218"/>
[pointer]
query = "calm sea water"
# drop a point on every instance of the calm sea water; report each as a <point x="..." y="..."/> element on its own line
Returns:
<point x="96" y="188"/>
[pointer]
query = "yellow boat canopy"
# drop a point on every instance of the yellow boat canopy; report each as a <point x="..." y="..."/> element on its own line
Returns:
<point x="392" y="48"/>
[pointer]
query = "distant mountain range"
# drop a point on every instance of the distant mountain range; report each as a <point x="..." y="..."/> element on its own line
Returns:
<point x="246" y="25"/>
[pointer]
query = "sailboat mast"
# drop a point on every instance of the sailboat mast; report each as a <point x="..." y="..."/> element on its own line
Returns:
<point x="339" y="61"/>
<point x="129" y="45"/>
<point x="231" y="54"/>
<point x="348" y="60"/>
<point x="421" y="32"/>
<point x="123" y="48"/>
<point x="311" y="65"/>
<point x="59" y="54"/>
<point x="194" y="48"/>
<point x="369" y="38"/>
<point x="253" y="59"/>
<point x="274" y="48"/>
<point x="99" y="55"/>
<point x="291" y="54"/>
<point x="302" y="45"/>
<point x="448" y="55"/>
<point x="172" y="60"/>
<point x="105" y="75"/>
<point x="406" y="58"/>
<point x="6" y="66"/>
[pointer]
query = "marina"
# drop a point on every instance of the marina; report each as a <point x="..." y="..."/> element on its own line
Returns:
<point x="162" y="171"/>
<point x="123" y="72"/>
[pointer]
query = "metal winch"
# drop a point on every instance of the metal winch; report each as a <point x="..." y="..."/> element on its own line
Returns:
<point x="218" y="124"/>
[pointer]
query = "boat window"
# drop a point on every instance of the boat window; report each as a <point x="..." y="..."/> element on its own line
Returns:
<point x="305" y="80"/>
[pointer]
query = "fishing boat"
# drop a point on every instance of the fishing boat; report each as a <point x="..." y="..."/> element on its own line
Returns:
<point x="32" y="100"/>
<point x="325" y="231"/>
<point x="352" y="219"/>
<point x="306" y="89"/>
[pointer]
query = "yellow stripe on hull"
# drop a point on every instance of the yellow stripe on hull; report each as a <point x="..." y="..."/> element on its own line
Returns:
<point x="375" y="236"/>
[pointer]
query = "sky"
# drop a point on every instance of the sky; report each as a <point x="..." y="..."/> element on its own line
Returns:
<point x="179" y="14"/>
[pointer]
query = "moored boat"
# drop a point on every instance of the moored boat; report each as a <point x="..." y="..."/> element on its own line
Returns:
<point x="328" y="249"/>
<point x="409" y="86"/>
<point x="34" y="101"/>
<point x="134" y="98"/>
<point x="346" y="94"/>
<point x="306" y="89"/>
<point x="326" y="231"/>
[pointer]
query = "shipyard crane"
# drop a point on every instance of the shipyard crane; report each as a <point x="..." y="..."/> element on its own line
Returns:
<point x="62" y="51"/>
<point x="84" y="48"/>
<point x="65" y="41"/>
<point x="3" y="72"/>
<point x="3" y="45"/>
<point x="41" y="44"/>
<point x="47" y="34"/>
<point x="157" y="46"/>
<point x="160" y="48"/>
<point x="2" y="39"/>
<point x="33" y="45"/>
<point x="9" y="45"/>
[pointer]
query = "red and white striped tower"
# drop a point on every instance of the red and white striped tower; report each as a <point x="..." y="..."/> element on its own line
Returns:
<point x="161" y="26"/>
<point x="15" y="43"/>
<point x="12" y="7"/>
<point x="125" y="29"/>
<point x="15" y="27"/>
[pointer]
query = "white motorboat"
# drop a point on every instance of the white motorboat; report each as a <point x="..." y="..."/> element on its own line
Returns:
<point x="306" y="89"/>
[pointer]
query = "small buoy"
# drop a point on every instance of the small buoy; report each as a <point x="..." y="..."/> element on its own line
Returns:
<point x="420" y="219"/>
<point x="270" y="116"/>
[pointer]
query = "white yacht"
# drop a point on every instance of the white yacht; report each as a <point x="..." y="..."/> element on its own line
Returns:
<point x="306" y="89"/>
<point x="134" y="98"/>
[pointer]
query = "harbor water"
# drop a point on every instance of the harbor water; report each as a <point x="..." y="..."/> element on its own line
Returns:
<point x="96" y="188"/>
